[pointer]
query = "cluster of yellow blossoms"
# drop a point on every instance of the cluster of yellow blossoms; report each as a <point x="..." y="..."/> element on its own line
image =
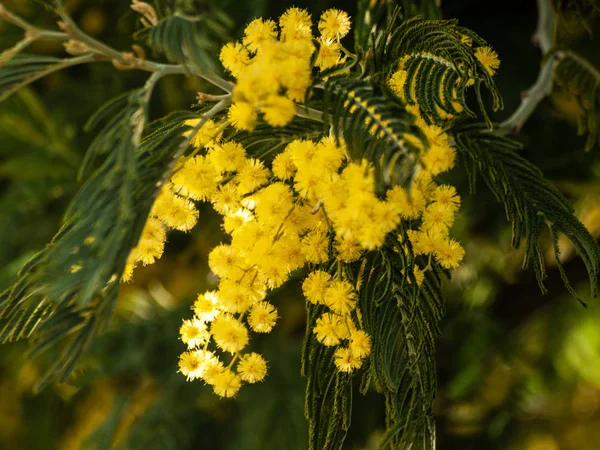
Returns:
<point x="273" y="67"/>
<point x="312" y="206"/>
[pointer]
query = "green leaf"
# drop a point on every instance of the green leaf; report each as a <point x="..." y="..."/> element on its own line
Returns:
<point x="581" y="81"/>
<point x="531" y="202"/>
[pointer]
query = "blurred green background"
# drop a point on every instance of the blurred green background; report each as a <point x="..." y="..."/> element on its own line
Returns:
<point x="516" y="369"/>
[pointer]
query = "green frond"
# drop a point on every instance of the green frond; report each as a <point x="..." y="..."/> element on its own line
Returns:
<point x="186" y="38"/>
<point x="70" y="288"/>
<point x="402" y="319"/>
<point x="581" y="80"/>
<point x="373" y="126"/>
<point x="328" y="391"/>
<point x="581" y="10"/>
<point x="22" y="70"/>
<point x="439" y="59"/>
<point x="531" y="202"/>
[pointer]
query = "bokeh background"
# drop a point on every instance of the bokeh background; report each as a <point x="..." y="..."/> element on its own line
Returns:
<point x="516" y="369"/>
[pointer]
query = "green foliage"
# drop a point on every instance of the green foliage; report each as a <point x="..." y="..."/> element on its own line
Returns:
<point x="72" y="285"/>
<point x="530" y="201"/>
<point x="402" y="319"/>
<point x="373" y="125"/>
<point x="439" y="58"/>
<point x="328" y="391"/>
<point x="188" y="34"/>
<point x="581" y="80"/>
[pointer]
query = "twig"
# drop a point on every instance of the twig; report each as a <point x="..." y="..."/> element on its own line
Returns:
<point x="309" y="113"/>
<point x="544" y="36"/>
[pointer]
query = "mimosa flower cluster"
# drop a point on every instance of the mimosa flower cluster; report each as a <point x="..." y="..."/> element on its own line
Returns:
<point x="311" y="207"/>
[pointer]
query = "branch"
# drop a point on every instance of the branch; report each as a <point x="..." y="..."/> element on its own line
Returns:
<point x="544" y="37"/>
<point x="309" y="113"/>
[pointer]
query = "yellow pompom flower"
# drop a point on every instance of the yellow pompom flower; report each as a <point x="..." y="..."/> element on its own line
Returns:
<point x="252" y="368"/>
<point x="226" y="384"/>
<point x="258" y="32"/>
<point x="206" y="306"/>
<point x="340" y="297"/>
<point x="488" y="58"/>
<point x="334" y="24"/>
<point x="295" y="24"/>
<point x="235" y="298"/>
<point x="262" y="317"/>
<point x="226" y="199"/>
<point x="446" y="195"/>
<point x="439" y="159"/>
<point x="360" y="343"/>
<point x="283" y="166"/>
<point x="315" y="285"/>
<point x="212" y="369"/>
<point x="226" y="261"/>
<point x="194" y="333"/>
<point x="315" y="247"/>
<point x="242" y="116"/>
<point x="408" y="208"/>
<point x="193" y="364"/>
<point x="329" y="329"/>
<point x="449" y="254"/>
<point x="251" y="176"/>
<point x="437" y="217"/>
<point x="227" y="157"/>
<point x="348" y="249"/>
<point x="234" y="57"/>
<point x="197" y="179"/>
<point x="179" y="213"/>
<point x="278" y="110"/>
<point x="151" y="245"/>
<point x="346" y="361"/>
<point x="229" y="333"/>
<point x="330" y="54"/>
<point x="397" y="82"/>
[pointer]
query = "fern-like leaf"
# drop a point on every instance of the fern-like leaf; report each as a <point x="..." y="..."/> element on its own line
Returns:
<point x="531" y="202"/>
<point x="373" y="126"/>
<point x="439" y="59"/>
<point x="71" y="287"/>
<point x="186" y="38"/>
<point x="581" y="80"/>
<point x="402" y="320"/>
<point x="22" y="70"/>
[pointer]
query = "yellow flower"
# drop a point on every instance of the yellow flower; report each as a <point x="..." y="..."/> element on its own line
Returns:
<point x="258" y="32"/>
<point x="234" y="57"/>
<point x="226" y="261"/>
<point x="262" y="317"/>
<point x="408" y="208"/>
<point x="283" y="166"/>
<point x="251" y="176"/>
<point x="227" y="157"/>
<point x="438" y="159"/>
<point x="329" y="329"/>
<point x="449" y="254"/>
<point x="334" y="24"/>
<point x="295" y="24"/>
<point x="252" y="368"/>
<point x="346" y="361"/>
<point x="206" y="306"/>
<point x="235" y="298"/>
<point x="226" y="199"/>
<point x="446" y="195"/>
<point x="242" y="116"/>
<point x="488" y="58"/>
<point x="315" y="285"/>
<point x="340" y="297"/>
<point x="348" y="249"/>
<point x="397" y="82"/>
<point x="278" y="110"/>
<point x="152" y="242"/>
<point x="229" y="333"/>
<point x="315" y="247"/>
<point x="226" y="383"/>
<point x="438" y="217"/>
<point x="193" y="364"/>
<point x="360" y="344"/>
<point x="329" y="55"/>
<point x="197" y="179"/>
<point x="193" y="332"/>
